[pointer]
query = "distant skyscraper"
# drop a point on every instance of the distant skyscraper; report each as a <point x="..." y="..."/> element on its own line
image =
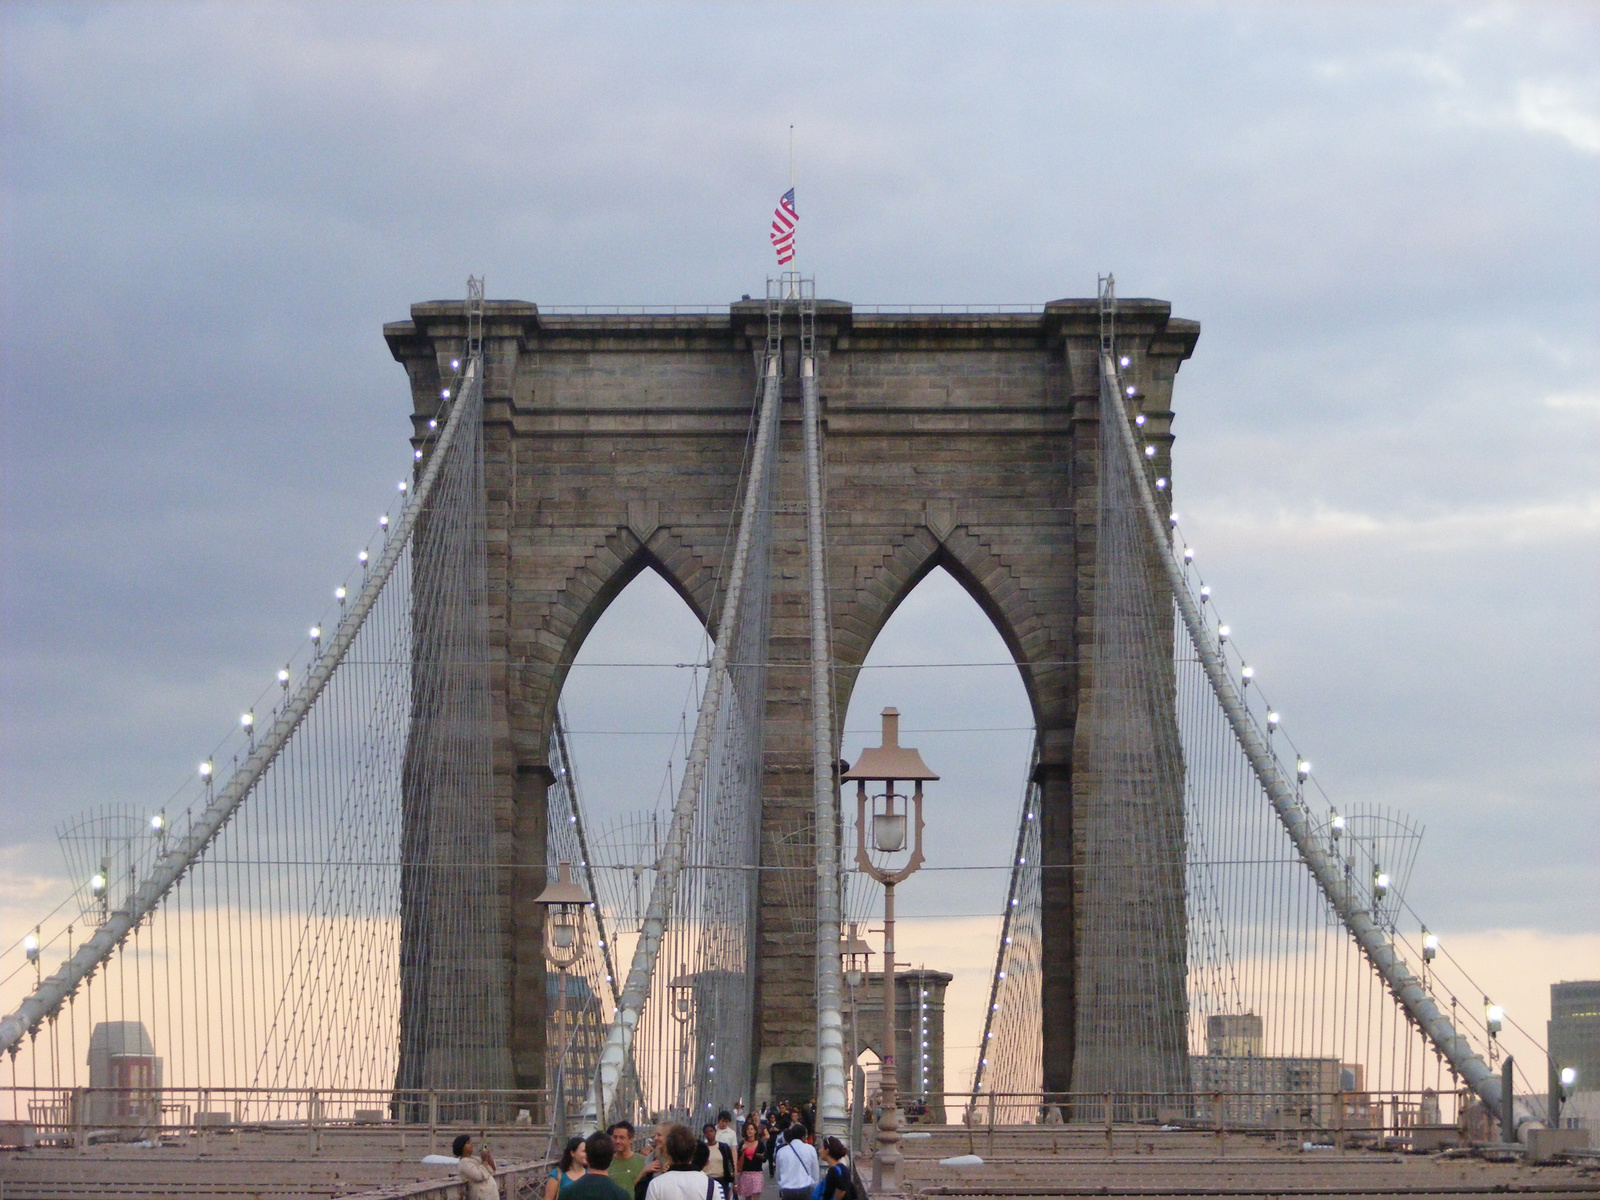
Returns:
<point x="1574" y="1030"/>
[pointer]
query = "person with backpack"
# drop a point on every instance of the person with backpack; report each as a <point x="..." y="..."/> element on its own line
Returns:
<point x="839" y="1183"/>
<point x="795" y="1163"/>
<point x="681" y="1181"/>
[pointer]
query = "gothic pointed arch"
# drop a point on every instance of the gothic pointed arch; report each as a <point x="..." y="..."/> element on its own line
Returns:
<point x="583" y="597"/>
<point x="996" y="586"/>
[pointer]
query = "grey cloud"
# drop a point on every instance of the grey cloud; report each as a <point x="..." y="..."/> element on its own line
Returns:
<point x="1381" y="214"/>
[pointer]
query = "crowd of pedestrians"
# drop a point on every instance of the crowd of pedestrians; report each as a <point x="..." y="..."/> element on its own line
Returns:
<point x="730" y="1160"/>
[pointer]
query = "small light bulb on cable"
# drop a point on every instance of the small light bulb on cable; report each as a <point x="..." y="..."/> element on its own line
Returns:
<point x="383" y="521"/>
<point x="205" y="771"/>
<point x="247" y="720"/>
<point x="432" y="423"/>
<point x="1272" y="722"/>
<point x="1247" y="674"/>
<point x="455" y="364"/>
<point x="416" y="455"/>
<point x="1125" y="360"/>
<point x="1303" y="769"/>
<point x="1149" y="451"/>
<point x="30" y="947"/>
<point x="445" y="394"/>
<point x="1130" y="389"/>
<point x="339" y="593"/>
<point x="1173" y="517"/>
<point x="400" y="487"/>
<point x="97" y="884"/>
<point x="1205" y="592"/>
<point x="1380" y="884"/>
<point x="1139" y="420"/>
<point x="1494" y="1017"/>
<point x="1430" y="945"/>
<point x="1161" y="483"/>
<point x="1223" y="631"/>
<point x="283" y="676"/>
<point x="157" y="823"/>
<point x="1188" y="554"/>
<point x="361" y="557"/>
<point x="316" y="633"/>
<point x="1336" y="824"/>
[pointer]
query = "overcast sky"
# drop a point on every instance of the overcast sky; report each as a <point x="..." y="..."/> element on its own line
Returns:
<point x="1388" y="454"/>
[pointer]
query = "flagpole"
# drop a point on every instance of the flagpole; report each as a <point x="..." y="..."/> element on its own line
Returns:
<point x="794" y="263"/>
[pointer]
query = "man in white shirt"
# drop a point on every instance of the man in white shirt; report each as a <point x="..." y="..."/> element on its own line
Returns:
<point x="795" y="1163"/>
<point x="725" y="1131"/>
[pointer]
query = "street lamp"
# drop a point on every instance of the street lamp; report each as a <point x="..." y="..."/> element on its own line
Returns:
<point x="682" y="1008"/>
<point x="1562" y="1083"/>
<point x="888" y="764"/>
<point x="857" y="957"/>
<point x="564" y="902"/>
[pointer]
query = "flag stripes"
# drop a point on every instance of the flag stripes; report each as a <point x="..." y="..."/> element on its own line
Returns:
<point x="784" y="220"/>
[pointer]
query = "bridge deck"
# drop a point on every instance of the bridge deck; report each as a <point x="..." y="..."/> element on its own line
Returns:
<point x="1072" y="1161"/>
<point x="1033" y="1162"/>
<point x="249" y="1163"/>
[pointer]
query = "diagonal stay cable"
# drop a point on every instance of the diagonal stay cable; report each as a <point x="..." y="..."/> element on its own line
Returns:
<point x="47" y="998"/>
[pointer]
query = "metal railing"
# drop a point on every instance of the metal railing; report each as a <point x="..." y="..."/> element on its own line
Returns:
<point x="663" y="310"/>
<point x="78" y="1117"/>
<point x="1419" y="1119"/>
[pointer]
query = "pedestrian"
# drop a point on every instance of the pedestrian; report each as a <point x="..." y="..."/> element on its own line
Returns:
<point x="573" y="1164"/>
<point x="752" y="1157"/>
<point x="727" y="1134"/>
<point x="681" y="1180"/>
<point x="796" y="1165"/>
<point x="477" y="1169"/>
<point x="626" y="1166"/>
<point x="775" y="1139"/>
<point x="719" y="1161"/>
<point x="839" y="1182"/>
<point x="655" y="1161"/>
<point x="596" y="1184"/>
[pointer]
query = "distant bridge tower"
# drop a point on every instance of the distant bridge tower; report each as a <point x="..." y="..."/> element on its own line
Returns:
<point x="959" y="440"/>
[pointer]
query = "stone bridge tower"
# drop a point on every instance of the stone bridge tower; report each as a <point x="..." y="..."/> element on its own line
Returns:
<point x="963" y="441"/>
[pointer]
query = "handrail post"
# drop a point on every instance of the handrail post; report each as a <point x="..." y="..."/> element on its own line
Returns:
<point x="1108" y="1125"/>
<point x="433" y="1121"/>
<point x="991" y="1124"/>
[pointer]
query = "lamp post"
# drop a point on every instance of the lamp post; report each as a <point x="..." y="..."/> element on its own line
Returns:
<point x="682" y="987"/>
<point x="888" y="764"/>
<point x="563" y="902"/>
<point x="856" y="955"/>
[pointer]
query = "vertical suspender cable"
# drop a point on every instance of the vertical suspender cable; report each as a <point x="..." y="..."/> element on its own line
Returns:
<point x="619" y="1038"/>
<point x="830" y="1024"/>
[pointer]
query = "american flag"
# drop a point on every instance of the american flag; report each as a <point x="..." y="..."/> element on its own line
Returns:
<point x="784" y="219"/>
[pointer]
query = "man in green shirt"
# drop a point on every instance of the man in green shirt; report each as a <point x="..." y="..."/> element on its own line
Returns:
<point x="594" y="1185"/>
<point x="625" y="1164"/>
